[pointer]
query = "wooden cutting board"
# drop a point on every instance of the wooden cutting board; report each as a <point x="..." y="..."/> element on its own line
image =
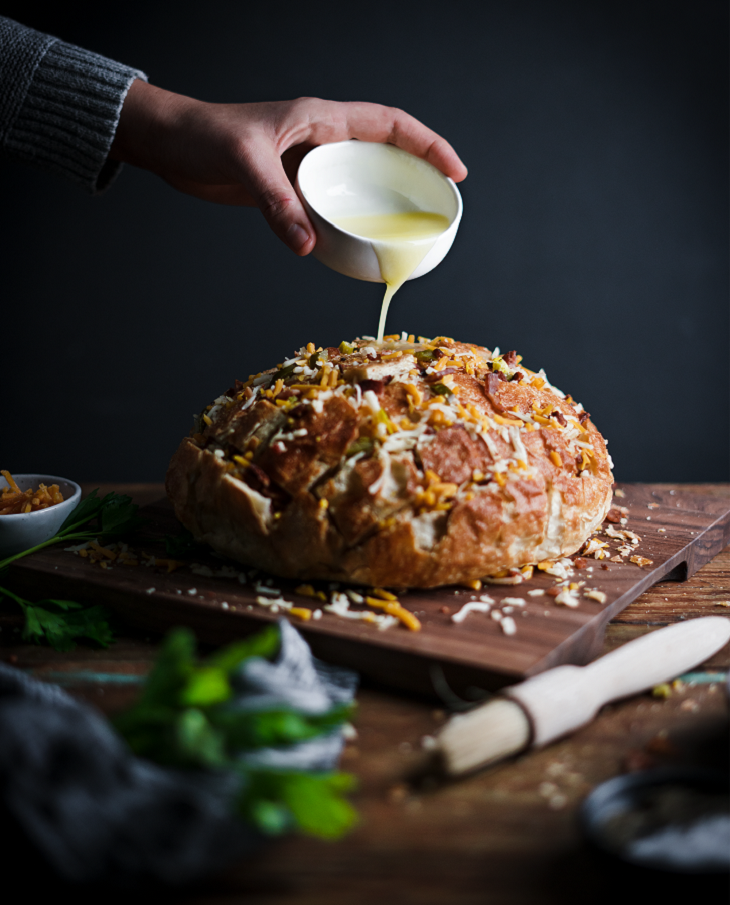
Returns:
<point x="679" y="532"/>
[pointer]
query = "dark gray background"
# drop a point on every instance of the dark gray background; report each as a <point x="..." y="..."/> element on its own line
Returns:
<point x="594" y="238"/>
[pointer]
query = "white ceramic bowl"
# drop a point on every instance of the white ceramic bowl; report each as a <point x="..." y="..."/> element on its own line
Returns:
<point x="347" y="178"/>
<point x="25" y="530"/>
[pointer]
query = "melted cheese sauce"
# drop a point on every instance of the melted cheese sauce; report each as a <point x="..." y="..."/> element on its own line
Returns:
<point x="400" y="241"/>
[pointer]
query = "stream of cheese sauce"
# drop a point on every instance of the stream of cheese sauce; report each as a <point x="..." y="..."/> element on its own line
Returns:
<point x="400" y="241"/>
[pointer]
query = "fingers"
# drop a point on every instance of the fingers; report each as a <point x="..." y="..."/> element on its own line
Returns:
<point x="267" y="183"/>
<point x="373" y="122"/>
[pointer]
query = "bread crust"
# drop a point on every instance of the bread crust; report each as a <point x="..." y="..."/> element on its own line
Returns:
<point x="398" y="465"/>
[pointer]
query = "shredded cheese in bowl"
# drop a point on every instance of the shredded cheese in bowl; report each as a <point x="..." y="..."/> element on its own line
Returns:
<point x="14" y="501"/>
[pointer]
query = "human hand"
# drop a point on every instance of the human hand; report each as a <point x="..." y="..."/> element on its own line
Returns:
<point x="248" y="154"/>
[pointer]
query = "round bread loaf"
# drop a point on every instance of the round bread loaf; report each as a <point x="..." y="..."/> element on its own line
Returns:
<point x="399" y="464"/>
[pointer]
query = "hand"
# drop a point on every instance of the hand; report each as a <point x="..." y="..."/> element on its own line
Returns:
<point x="248" y="154"/>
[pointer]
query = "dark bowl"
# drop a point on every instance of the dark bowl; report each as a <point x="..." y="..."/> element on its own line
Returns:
<point x="668" y="820"/>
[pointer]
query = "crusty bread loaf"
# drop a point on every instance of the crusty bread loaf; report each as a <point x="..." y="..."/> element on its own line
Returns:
<point x="401" y="464"/>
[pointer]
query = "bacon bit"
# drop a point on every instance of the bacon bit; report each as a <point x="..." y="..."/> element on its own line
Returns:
<point x="555" y="459"/>
<point x="510" y="359"/>
<point x="613" y="516"/>
<point x="583" y="417"/>
<point x="553" y="592"/>
<point x="559" y="417"/>
<point x="641" y="560"/>
<point x="580" y="563"/>
<point x="491" y="385"/>
<point x="446" y="611"/>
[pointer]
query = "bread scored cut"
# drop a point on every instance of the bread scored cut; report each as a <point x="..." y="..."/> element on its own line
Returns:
<point x="399" y="464"/>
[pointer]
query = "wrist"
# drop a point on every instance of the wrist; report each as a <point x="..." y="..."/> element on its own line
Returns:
<point x="146" y="113"/>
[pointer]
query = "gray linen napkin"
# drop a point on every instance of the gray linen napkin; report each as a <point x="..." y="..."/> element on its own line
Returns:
<point x="71" y="788"/>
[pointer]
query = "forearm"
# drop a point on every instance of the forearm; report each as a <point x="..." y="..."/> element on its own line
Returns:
<point x="60" y="105"/>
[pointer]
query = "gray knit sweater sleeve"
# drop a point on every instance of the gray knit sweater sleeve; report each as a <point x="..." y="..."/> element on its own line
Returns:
<point x="60" y="105"/>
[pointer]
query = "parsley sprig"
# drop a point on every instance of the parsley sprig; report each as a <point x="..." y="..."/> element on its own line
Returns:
<point x="185" y="718"/>
<point x="59" y="622"/>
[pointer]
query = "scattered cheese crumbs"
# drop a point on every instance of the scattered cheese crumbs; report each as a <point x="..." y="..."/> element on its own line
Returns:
<point x="536" y="592"/>
<point x="474" y="585"/>
<point x="301" y="612"/>
<point x="661" y="530"/>
<point x="508" y="625"/>
<point x="641" y="560"/>
<point x="317" y="614"/>
<point x="340" y="606"/>
<point x="355" y="597"/>
<point x="224" y="605"/>
<point x="383" y="595"/>
<point x="192" y="591"/>
<point x="620" y="493"/>
<point x="393" y="608"/>
<point x="474" y="606"/>
<point x="594" y="546"/>
<point x="514" y="601"/>
<point x="723" y="603"/>
<point x="567" y="598"/>
<point x="596" y="595"/>
<point x="664" y="690"/>
<point x="150" y="590"/>
<point x="556" y="569"/>
<point x="496" y="615"/>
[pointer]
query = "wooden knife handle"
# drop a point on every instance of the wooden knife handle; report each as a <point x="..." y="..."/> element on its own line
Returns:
<point x="563" y="699"/>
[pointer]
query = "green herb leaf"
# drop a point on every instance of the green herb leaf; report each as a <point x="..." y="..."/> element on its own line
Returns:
<point x="362" y="444"/>
<point x="283" y="373"/>
<point x="442" y="390"/>
<point x="185" y="717"/>
<point x="59" y="622"/>
<point x="84" y="512"/>
<point x="426" y="355"/>
<point x="346" y="348"/>
<point x="264" y="644"/>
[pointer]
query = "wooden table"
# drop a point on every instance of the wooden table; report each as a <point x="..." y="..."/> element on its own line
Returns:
<point x="508" y="834"/>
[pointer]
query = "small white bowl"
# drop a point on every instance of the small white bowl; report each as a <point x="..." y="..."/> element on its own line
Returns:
<point x="25" y="530"/>
<point x="348" y="178"/>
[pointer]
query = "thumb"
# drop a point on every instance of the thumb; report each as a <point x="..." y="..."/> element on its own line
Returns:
<point x="275" y="197"/>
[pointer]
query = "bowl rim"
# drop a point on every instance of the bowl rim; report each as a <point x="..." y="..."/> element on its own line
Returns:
<point x="44" y="479"/>
<point x="453" y="221"/>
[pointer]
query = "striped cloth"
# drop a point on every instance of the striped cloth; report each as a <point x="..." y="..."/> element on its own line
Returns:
<point x="60" y="105"/>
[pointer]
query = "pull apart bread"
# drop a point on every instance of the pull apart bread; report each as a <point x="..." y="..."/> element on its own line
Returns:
<point x="399" y="464"/>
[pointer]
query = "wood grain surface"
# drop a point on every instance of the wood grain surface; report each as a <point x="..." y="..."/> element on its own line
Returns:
<point x="679" y="532"/>
<point x="508" y="835"/>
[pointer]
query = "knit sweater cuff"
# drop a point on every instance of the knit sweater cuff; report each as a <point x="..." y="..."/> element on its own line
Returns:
<point x="70" y="113"/>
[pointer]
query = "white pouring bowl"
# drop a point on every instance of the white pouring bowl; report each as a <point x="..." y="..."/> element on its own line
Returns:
<point x="350" y="178"/>
<point x="27" y="529"/>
